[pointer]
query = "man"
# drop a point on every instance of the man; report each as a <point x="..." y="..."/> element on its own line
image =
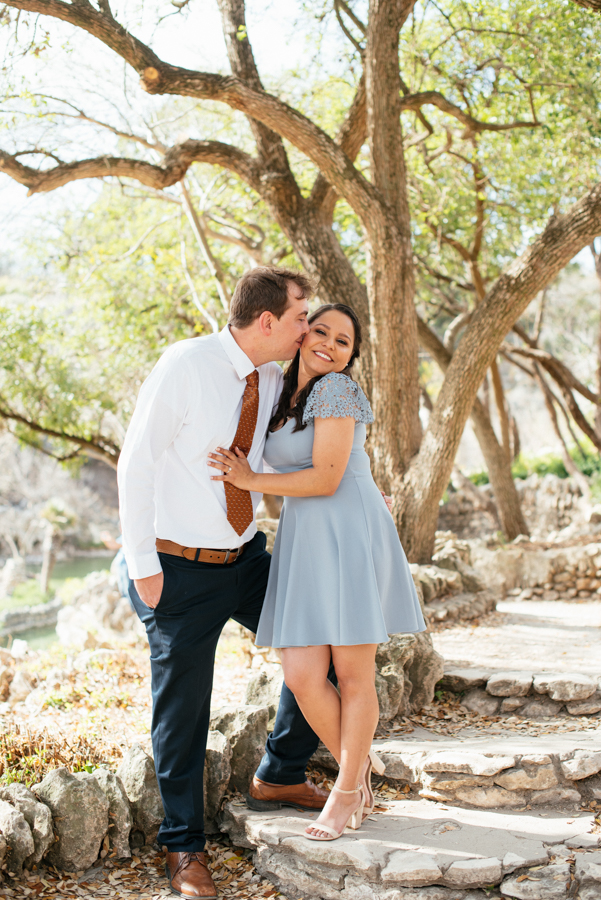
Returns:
<point x="195" y="556"/>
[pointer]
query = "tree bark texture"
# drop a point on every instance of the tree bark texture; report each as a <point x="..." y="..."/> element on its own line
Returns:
<point x="499" y="471"/>
<point x="597" y="261"/>
<point x="396" y="432"/>
<point x="418" y="492"/>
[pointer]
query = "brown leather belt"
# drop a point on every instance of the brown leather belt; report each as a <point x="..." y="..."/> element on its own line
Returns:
<point x="199" y="554"/>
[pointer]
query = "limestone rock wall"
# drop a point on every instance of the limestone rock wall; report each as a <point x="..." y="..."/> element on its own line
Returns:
<point x="530" y="571"/>
<point x="529" y="694"/>
<point x="550" y="505"/>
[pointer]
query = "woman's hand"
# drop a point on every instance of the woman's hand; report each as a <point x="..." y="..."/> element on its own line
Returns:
<point x="235" y="468"/>
<point x="387" y="501"/>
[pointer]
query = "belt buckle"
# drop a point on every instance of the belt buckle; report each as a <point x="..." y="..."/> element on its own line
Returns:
<point x="227" y="557"/>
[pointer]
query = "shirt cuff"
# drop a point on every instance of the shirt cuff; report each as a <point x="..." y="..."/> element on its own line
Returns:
<point x="143" y="566"/>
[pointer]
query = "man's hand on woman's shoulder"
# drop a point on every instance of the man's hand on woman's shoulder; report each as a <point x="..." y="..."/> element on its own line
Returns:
<point x="150" y="589"/>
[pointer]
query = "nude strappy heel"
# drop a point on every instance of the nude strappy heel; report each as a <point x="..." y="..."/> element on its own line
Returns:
<point x="354" y="820"/>
<point x="375" y="764"/>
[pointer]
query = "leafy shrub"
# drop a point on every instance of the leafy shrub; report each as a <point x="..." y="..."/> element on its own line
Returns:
<point x="28" y="593"/>
<point x="546" y="464"/>
<point x="479" y="478"/>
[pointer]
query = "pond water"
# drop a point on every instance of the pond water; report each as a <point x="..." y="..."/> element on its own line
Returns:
<point x="76" y="567"/>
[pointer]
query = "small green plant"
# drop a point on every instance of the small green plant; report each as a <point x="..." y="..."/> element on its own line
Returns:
<point x="545" y="464"/>
<point x="28" y="593"/>
<point x="479" y="478"/>
<point x="588" y="461"/>
<point x="596" y="487"/>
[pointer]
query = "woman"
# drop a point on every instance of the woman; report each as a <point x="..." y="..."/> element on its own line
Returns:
<point x="339" y="582"/>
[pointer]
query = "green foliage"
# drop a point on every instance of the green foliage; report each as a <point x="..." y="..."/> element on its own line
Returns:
<point x="545" y="464"/>
<point x="27" y="593"/>
<point x="588" y="462"/>
<point x="479" y="478"/>
<point x="58" y="514"/>
<point x="486" y="194"/>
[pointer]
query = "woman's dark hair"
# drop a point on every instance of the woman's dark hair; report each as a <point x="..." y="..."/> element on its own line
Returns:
<point x="284" y="409"/>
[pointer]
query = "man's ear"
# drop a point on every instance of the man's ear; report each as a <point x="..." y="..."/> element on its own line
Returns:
<point x="265" y="323"/>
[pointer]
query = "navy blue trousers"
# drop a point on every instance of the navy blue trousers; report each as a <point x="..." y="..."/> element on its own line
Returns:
<point x="196" y="602"/>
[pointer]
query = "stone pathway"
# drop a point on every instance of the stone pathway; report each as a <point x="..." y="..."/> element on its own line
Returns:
<point x="424" y="851"/>
<point x="504" y="816"/>
<point x="471" y="815"/>
<point x="532" y="635"/>
<point x="505" y="772"/>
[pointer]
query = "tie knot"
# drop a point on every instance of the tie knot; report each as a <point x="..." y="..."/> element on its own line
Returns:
<point x="253" y="379"/>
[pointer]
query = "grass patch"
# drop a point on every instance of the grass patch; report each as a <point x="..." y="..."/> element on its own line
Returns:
<point x="27" y="756"/>
<point x="28" y="593"/>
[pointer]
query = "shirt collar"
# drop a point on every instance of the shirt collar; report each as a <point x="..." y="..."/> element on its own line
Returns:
<point x="236" y="354"/>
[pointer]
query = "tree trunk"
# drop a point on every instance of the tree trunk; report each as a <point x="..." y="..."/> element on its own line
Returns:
<point x="48" y="558"/>
<point x="571" y="467"/>
<point x="499" y="468"/>
<point x="501" y="408"/>
<point x="396" y="432"/>
<point x="273" y="505"/>
<point x="499" y="472"/>
<point x="597" y="261"/>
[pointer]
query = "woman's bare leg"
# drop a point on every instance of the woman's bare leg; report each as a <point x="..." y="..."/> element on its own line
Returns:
<point x="306" y="674"/>
<point x="346" y="724"/>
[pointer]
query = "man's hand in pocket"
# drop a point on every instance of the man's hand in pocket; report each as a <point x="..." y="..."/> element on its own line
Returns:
<point x="150" y="589"/>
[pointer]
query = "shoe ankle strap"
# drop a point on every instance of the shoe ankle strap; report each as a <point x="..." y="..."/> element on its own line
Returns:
<point x="340" y="791"/>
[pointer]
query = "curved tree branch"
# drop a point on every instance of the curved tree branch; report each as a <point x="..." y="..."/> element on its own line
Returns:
<point x="563" y="237"/>
<point x="159" y="77"/>
<point x="175" y="165"/>
<point x="270" y="147"/>
<point x="338" y="4"/>
<point x="473" y="126"/>
<point x="558" y="371"/>
<point x="96" y="447"/>
<point x="350" y="138"/>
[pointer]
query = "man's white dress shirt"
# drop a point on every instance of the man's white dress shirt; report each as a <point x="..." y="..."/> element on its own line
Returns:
<point x="188" y="406"/>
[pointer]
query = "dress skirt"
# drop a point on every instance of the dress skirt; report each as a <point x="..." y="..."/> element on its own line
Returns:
<point x="338" y="574"/>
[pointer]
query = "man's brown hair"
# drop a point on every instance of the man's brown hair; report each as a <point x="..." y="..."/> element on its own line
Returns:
<point x="265" y="288"/>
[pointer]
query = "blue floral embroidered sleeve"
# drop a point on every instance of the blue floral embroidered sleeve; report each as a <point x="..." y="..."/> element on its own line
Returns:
<point x="337" y="396"/>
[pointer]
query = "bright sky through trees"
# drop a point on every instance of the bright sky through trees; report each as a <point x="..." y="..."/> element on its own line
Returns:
<point x="282" y="35"/>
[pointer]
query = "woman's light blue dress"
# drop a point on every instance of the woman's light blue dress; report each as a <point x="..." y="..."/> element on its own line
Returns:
<point x="338" y="574"/>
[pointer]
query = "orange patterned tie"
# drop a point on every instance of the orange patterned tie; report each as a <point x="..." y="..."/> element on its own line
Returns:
<point x="239" y="504"/>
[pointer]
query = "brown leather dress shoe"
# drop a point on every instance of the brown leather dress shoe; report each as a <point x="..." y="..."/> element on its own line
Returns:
<point x="189" y="875"/>
<point x="263" y="796"/>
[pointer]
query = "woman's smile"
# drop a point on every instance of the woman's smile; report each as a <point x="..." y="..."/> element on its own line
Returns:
<point x="329" y="345"/>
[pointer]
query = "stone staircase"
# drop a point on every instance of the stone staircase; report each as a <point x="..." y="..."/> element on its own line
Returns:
<point x="485" y="818"/>
<point x="491" y="692"/>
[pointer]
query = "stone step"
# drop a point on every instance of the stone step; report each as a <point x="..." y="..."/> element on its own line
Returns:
<point x="23" y="618"/>
<point x="417" y="850"/>
<point x="464" y="606"/>
<point x="509" y="772"/>
<point x="491" y="692"/>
